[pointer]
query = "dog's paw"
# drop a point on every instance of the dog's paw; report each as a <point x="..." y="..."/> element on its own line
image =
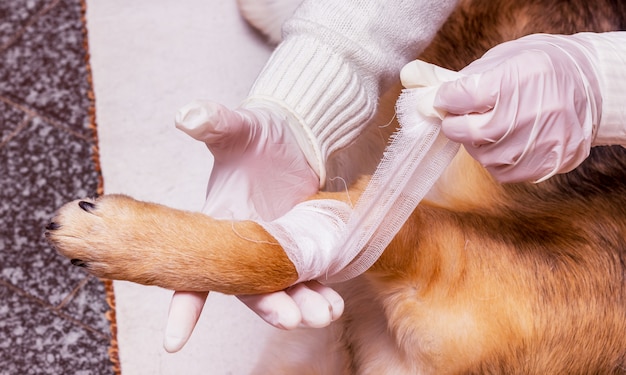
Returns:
<point x="94" y="234"/>
<point x="118" y="237"/>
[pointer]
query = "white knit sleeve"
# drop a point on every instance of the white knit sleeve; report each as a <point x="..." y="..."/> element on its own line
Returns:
<point x="608" y="52"/>
<point x="337" y="58"/>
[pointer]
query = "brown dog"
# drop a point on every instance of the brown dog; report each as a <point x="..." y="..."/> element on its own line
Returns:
<point x="483" y="278"/>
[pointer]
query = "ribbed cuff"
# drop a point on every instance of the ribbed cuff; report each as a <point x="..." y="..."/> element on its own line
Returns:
<point x="610" y="61"/>
<point x="321" y="90"/>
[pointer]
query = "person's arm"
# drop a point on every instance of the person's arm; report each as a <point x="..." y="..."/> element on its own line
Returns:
<point x="608" y="54"/>
<point x="337" y="58"/>
<point x="322" y="83"/>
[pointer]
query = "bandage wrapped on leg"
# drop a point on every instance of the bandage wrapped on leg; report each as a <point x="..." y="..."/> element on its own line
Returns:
<point x="311" y="234"/>
<point x="266" y="161"/>
<point x="314" y="233"/>
<point x="328" y="240"/>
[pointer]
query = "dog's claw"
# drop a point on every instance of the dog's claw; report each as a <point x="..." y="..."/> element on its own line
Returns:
<point x="78" y="263"/>
<point x="53" y="226"/>
<point x="87" y="206"/>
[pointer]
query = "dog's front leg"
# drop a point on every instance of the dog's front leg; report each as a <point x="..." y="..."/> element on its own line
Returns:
<point x="118" y="237"/>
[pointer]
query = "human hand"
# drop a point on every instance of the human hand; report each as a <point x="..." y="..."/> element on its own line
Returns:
<point x="263" y="167"/>
<point x="526" y="110"/>
<point x="263" y="159"/>
<point x="308" y="304"/>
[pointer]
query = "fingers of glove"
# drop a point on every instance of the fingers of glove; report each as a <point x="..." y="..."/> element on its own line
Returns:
<point x="516" y="163"/>
<point x="478" y="87"/>
<point x="309" y="304"/>
<point x="476" y="129"/>
<point x="500" y="102"/>
<point x="532" y="157"/>
<point x="419" y="73"/>
<point x="521" y="153"/>
<point x="185" y="309"/>
<point x="316" y="309"/>
<point x="503" y="67"/>
<point x="334" y="299"/>
<point x="475" y="93"/>
<point x="524" y="111"/>
<point x="277" y="309"/>
<point x="527" y="169"/>
<point x="208" y="121"/>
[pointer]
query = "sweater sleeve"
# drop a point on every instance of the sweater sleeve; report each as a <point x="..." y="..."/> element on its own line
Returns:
<point x="337" y="58"/>
<point x="608" y="53"/>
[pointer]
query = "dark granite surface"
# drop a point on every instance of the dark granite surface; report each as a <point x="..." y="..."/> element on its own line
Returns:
<point x="52" y="315"/>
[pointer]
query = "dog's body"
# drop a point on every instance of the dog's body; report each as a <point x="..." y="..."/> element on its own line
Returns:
<point x="483" y="278"/>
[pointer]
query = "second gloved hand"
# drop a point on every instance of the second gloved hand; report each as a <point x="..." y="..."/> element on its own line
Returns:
<point x="260" y="168"/>
<point x="308" y="304"/>
<point x="526" y="110"/>
<point x="264" y="165"/>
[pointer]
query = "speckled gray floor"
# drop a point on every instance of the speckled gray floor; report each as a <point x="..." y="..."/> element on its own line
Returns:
<point x="52" y="315"/>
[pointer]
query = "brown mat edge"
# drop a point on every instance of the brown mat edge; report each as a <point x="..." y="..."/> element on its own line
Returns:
<point x="108" y="284"/>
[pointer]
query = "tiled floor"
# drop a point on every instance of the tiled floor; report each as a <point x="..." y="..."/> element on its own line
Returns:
<point x="52" y="315"/>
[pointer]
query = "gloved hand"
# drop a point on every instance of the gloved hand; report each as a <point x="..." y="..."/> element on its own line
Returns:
<point x="263" y="163"/>
<point x="263" y="167"/>
<point x="526" y="110"/>
<point x="308" y="304"/>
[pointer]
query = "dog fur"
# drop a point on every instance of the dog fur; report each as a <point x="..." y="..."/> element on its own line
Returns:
<point x="483" y="278"/>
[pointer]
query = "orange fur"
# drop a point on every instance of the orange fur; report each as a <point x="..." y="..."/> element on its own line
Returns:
<point x="120" y="237"/>
<point x="483" y="278"/>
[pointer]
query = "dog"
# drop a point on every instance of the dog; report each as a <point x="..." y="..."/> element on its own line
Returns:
<point x="483" y="277"/>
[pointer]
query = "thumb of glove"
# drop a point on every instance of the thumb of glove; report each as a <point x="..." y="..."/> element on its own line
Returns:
<point x="419" y="73"/>
<point x="184" y="313"/>
<point x="208" y="122"/>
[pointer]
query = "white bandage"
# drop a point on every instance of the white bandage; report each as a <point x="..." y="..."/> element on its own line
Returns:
<point x="311" y="234"/>
<point x="329" y="241"/>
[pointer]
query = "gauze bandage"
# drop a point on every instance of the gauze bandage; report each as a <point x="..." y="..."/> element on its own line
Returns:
<point x="328" y="240"/>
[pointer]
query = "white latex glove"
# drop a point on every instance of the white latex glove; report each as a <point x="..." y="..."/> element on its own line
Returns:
<point x="526" y="110"/>
<point x="308" y="304"/>
<point x="262" y="169"/>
